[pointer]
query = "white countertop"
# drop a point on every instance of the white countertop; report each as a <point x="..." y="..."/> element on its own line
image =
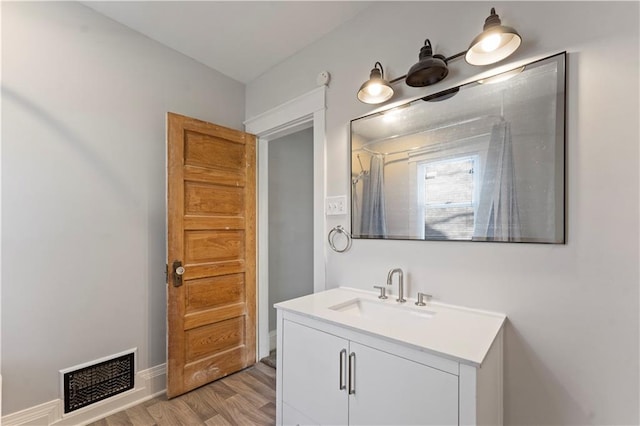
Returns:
<point x="462" y="334"/>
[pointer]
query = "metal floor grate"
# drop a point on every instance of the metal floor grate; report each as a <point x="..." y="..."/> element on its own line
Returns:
<point x="91" y="384"/>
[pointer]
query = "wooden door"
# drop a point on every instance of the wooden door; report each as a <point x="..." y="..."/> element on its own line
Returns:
<point x="211" y="207"/>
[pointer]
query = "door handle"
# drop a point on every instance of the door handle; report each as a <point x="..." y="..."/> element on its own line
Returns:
<point x="178" y="271"/>
<point x="352" y="373"/>
<point x="343" y="361"/>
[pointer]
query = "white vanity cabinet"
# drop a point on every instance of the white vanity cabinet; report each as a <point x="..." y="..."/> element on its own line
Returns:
<point x="329" y="373"/>
<point x="335" y="381"/>
<point x="408" y="392"/>
<point x="311" y="375"/>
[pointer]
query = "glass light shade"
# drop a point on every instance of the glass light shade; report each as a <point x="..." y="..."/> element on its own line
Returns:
<point x="375" y="90"/>
<point x="495" y="43"/>
<point x="493" y="46"/>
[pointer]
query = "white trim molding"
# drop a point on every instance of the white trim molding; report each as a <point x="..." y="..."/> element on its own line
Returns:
<point x="292" y="116"/>
<point x="288" y="114"/>
<point x="148" y="384"/>
<point x="43" y="414"/>
<point x="273" y="340"/>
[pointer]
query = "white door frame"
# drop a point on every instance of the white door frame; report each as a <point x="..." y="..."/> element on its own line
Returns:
<point x="297" y="114"/>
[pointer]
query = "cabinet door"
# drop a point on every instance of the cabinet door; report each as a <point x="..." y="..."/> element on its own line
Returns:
<point x="311" y="374"/>
<point x="293" y="417"/>
<point x="390" y="390"/>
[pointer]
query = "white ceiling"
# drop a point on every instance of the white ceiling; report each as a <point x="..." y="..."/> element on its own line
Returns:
<point x="241" y="39"/>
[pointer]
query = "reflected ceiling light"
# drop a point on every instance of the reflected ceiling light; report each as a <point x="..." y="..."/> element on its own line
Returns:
<point x="429" y="70"/>
<point x="393" y="114"/>
<point x="494" y="44"/>
<point x="499" y="78"/>
<point x="375" y="90"/>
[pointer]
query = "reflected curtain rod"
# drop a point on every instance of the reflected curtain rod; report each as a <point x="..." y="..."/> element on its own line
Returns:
<point x="422" y="149"/>
<point x="467" y="121"/>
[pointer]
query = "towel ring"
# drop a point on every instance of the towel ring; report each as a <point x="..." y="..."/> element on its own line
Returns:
<point x="332" y="234"/>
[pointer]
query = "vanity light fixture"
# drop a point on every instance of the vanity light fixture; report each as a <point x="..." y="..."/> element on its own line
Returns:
<point x="375" y="90"/>
<point x="494" y="44"/>
<point x="429" y="70"/>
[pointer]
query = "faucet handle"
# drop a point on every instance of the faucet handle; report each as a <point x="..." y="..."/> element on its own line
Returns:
<point x="383" y="291"/>
<point x="421" y="297"/>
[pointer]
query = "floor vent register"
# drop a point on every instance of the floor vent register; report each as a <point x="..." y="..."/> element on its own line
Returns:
<point x="93" y="383"/>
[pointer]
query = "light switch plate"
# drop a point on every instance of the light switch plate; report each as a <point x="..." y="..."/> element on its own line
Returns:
<point x="336" y="205"/>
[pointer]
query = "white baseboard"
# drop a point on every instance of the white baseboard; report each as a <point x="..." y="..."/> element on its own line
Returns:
<point x="272" y="340"/>
<point x="148" y="384"/>
<point x="43" y="414"/>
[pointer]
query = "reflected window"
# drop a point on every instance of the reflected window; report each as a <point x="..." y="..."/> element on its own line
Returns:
<point x="449" y="197"/>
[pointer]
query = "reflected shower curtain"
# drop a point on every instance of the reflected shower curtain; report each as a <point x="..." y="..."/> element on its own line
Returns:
<point x="497" y="217"/>
<point x="356" y="203"/>
<point x="373" y="215"/>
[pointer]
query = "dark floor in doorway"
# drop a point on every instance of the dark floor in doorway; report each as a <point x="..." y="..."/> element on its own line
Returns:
<point x="270" y="360"/>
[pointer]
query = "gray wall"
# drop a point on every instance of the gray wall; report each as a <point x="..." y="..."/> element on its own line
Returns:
<point x="571" y="348"/>
<point x="83" y="188"/>
<point x="290" y="218"/>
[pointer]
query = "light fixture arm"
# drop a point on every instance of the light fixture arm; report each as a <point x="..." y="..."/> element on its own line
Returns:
<point x="379" y="65"/>
<point x="377" y="71"/>
<point x="450" y="58"/>
<point x="457" y="55"/>
<point x="493" y="20"/>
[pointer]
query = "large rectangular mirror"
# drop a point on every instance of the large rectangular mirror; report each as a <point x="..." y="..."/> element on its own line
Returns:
<point x="479" y="162"/>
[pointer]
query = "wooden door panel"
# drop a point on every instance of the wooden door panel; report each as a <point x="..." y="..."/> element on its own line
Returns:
<point x="202" y="198"/>
<point x="211" y="230"/>
<point x="213" y="292"/>
<point x="210" y="151"/>
<point x="209" y="316"/>
<point x="220" y="336"/>
<point x="211" y="368"/>
<point x="213" y="246"/>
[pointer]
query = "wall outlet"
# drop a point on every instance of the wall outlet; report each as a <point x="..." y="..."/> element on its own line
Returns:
<point x="336" y="205"/>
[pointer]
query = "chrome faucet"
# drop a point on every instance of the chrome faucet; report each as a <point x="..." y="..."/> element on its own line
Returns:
<point x="400" y="298"/>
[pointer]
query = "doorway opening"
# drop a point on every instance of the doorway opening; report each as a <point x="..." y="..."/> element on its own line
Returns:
<point x="304" y="112"/>
<point x="290" y="201"/>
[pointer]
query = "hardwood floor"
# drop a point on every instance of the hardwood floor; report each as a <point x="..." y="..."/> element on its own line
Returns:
<point x="244" y="398"/>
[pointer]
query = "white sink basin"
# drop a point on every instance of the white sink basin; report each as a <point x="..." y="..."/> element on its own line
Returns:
<point x="387" y="311"/>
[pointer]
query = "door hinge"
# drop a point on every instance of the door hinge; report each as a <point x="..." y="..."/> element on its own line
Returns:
<point x="166" y="273"/>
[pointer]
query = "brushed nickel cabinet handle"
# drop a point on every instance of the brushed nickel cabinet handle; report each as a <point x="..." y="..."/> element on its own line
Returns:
<point x="343" y="361"/>
<point x="352" y="373"/>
